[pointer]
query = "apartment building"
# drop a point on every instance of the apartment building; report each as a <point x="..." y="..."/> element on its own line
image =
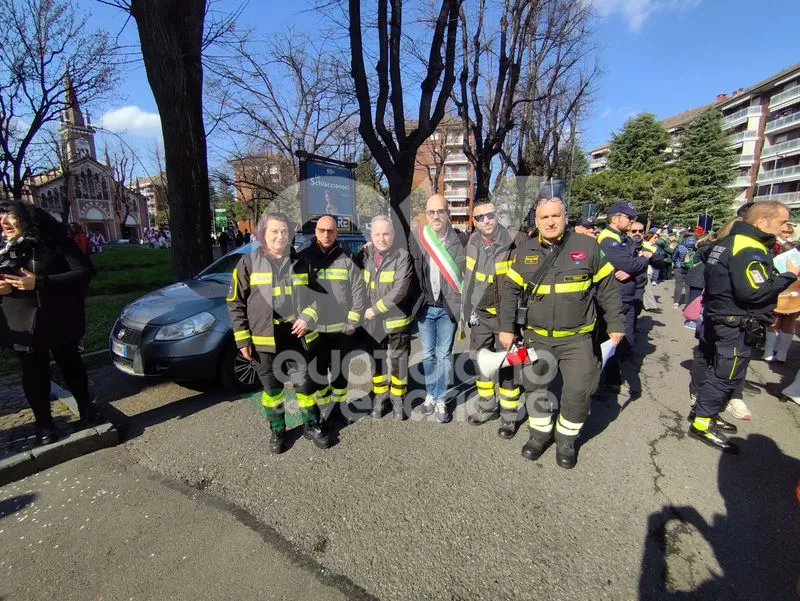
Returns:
<point x="442" y="166"/>
<point x="763" y="127"/>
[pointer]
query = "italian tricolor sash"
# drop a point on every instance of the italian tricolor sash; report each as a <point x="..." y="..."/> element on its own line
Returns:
<point x="439" y="255"/>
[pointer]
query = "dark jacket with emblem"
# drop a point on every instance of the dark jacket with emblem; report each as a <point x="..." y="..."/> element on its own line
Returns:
<point x="339" y="290"/>
<point x="485" y="268"/>
<point x="454" y="243"/>
<point x="621" y="253"/>
<point x="565" y="304"/>
<point x="740" y="279"/>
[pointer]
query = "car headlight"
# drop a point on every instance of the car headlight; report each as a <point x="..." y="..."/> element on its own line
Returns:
<point x="190" y="326"/>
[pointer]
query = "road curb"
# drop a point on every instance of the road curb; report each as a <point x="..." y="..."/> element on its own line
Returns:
<point x="41" y="458"/>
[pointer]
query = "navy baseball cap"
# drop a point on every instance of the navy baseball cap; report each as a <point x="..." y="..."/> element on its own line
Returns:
<point x="625" y="208"/>
<point x="586" y="222"/>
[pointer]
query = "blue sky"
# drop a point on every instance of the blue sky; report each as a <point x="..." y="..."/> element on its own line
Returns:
<point x="660" y="56"/>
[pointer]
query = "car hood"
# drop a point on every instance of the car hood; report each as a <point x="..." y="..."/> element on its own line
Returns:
<point x="176" y="302"/>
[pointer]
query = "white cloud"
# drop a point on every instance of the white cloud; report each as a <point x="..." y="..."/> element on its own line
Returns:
<point x="132" y="120"/>
<point x="636" y="12"/>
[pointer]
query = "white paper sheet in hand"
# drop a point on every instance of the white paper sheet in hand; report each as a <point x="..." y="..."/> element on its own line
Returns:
<point x="781" y="261"/>
<point x="607" y="350"/>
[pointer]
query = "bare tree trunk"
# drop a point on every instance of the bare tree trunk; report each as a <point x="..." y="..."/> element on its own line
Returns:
<point x="171" y="36"/>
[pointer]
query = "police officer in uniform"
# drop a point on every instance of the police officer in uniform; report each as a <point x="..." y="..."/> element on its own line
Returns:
<point x="272" y="311"/>
<point x="388" y="277"/>
<point x="341" y="301"/>
<point x="562" y="279"/>
<point x="629" y="264"/>
<point x="489" y="251"/>
<point x="741" y="291"/>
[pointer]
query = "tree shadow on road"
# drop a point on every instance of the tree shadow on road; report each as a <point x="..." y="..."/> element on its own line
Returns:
<point x="13" y="504"/>
<point x="755" y="544"/>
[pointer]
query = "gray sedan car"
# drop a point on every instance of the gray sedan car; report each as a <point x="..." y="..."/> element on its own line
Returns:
<point x="183" y="332"/>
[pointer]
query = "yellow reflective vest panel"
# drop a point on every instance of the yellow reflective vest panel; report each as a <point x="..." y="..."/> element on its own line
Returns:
<point x="390" y="289"/>
<point x="486" y="268"/>
<point x="253" y="292"/>
<point x="566" y="301"/>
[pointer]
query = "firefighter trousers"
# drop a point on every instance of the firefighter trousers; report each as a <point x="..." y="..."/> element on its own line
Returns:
<point x="329" y="367"/>
<point x="576" y="359"/>
<point x="484" y="336"/>
<point x="390" y="366"/>
<point x="288" y="364"/>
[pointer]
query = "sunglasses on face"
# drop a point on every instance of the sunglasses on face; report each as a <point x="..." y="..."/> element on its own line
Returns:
<point x="439" y="212"/>
<point x="489" y="215"/>
<point x="637" y="231"/>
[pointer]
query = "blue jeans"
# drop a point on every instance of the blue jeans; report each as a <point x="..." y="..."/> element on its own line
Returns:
<point x="436" y="333"/>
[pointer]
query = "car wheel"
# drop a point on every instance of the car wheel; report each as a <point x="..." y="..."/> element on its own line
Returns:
<point x="236" y="373"/>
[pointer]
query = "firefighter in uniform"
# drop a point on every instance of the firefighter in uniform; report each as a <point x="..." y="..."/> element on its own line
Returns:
<point x="560" y="279"/>
<point x="272" y="312"/>
<point x="341" y="300"/>
<point x="388" y="277"/>
<point x="489" y="251"/>
<point x="622" y="254"/>
<point x="741" y="291"/>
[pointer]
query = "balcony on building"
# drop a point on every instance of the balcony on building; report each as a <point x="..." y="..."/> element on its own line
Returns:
<point x="786" y="98"/>
<point x="784" y="149"/>
<point x="782" y="174"/>
<point x="743" y="181"/>
<point x="790" y="199"/>
<point x="740" y="116"/>
<point x="744" y="160"/>
<point x="456" y="158"/>
<point x="781" y="124"/>
<point x="454" y="139"/>
<point x="739" y="138"/>
<point x="456" y="174"/>
<point x="598" y="162"/>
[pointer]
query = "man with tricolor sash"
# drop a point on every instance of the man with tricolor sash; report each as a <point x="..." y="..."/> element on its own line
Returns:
<point x="388" y="277"/>
<point x="274" y="319"/>
<point x="341" y="301"/>
<point x="556" y="285"/>
<point x="439" y="261"/>
<point x="489" y="256"/>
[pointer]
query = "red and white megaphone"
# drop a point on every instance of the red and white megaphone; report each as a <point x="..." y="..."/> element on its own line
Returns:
<point x="489" y="362"/>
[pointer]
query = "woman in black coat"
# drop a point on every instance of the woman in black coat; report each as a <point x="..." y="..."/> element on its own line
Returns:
<point x="44" y="279"/>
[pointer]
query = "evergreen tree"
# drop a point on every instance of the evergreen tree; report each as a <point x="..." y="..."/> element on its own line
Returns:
<point x="640" y="146"/>
<point x="708" y="163"/>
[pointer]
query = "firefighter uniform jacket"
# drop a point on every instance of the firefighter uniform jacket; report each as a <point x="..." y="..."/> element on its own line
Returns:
<point x="338" y="288"/>
<point x="255" y="289"/>
<point x="485" y="266"/>
<point x="390" y="290"/>
<point x="619" y="249"/>
<point x="740" y="277"/>
<point x="563" y="304"/>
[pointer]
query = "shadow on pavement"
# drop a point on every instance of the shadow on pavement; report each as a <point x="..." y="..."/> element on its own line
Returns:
<point x="12" y="505"/>
<point x="755" y="544"/>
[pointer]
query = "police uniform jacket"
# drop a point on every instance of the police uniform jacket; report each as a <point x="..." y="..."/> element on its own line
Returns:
<point x="563" y="304"/>
<point x="260" y="297"/>
<point x="740" y="278"/>
<point x="485" y="266"/>
<point x="390" y="289"/>
<point x="620" y="251"/>
<point x="337" y="286"/>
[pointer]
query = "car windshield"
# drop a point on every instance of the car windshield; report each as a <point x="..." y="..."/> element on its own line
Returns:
<point x="221" y="269"/>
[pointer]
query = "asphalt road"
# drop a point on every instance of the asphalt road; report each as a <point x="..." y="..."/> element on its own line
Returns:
<point x="419" y="510"/>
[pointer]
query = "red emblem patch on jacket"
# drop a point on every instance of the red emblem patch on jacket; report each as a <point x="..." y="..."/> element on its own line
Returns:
<point x="578" y="256"/>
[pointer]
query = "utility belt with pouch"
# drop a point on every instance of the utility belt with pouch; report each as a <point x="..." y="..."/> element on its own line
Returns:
<point x="754" y="328"/>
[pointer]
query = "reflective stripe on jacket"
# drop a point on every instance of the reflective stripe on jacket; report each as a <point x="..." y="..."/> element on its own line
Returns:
<point x="563" y="304"/>
<point x="485" y="271"/>
<point x="340" y="295"/>
<point x="390" y="289"/>
<point x="252" y="294"/>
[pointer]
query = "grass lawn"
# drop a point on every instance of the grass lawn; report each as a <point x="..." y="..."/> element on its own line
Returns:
<point x="124" y="273"/>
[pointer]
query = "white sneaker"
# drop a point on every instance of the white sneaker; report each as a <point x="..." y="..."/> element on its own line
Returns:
<point x="428" y="407"/>
<point x="738" y="409"/>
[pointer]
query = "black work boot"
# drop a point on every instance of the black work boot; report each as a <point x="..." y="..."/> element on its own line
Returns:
<point x="481" y="416"/>
<point x="714" y="437"/>
<point x="89" y="415"/>
<point x="46" y="434"/>
<point x="398" y="410"/>
<point x="507" y="428"/>
<point x="313" y="432"/>
<point x="276" y="444"/>
<point x="536" y="445"/>
<point x="566" y="451"/>
<point x="723" y="425"/>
